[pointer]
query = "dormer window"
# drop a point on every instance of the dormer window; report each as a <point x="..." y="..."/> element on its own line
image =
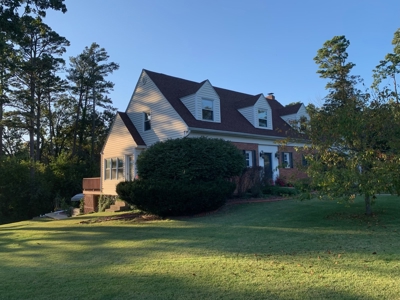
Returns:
<point x="147" y="121"/>
<point x="262" y="118"/>
<point x="207" y="109"/>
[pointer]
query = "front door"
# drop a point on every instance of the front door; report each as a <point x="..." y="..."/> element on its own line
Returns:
<point x="267" y="165"/>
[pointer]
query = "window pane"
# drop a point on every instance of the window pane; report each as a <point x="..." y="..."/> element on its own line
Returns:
<point x="207" y="104"/>
<point x="120" y="162"/>
<point x="207" y="109"/>
<point x="108" y="172"/>
<point x="208" y="115"/>
<point x="120" y="168"/>
<point x="147" y="122"/>
<point x="262" y="118"/>
<point x="131" y="167"/>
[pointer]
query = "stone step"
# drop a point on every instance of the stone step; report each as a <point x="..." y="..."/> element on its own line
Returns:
<point x="118" y="206"/>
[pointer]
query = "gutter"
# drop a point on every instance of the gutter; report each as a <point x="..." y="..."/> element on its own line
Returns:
<point x="231" y="133"/>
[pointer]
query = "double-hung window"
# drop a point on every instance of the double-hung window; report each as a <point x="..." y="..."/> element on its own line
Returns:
<point x="207" y="109"/>
<point x="287" y="160"/>
<point x="147" y="121"/>
<point x="107" y="173"/>
<point x="250" y="158"/>
<point x="114" y="168"/>
<point x="262" y="118"/>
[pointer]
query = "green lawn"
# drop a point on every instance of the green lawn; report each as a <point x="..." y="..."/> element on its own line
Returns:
<point x="280" y="250"/>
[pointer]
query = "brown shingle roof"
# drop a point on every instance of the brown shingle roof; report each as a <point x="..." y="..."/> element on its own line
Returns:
<point x="232" y="120"/>
<point x="132" y="129"/>
<point x="289" y="110"/>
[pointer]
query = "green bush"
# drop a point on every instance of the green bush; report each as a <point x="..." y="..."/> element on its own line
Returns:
<point x="184" y="176"/>
<point x="279" y="191"/>
<point x="174" y="198"/>
<point x="25" y="190"/>
<point x="191" y="159"/>
<point x="105" y="201"/>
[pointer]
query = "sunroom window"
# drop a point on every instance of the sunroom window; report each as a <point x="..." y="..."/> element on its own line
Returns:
<point x="114" y="168"/>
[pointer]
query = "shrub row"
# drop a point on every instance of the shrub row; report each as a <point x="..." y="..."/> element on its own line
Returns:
<point x="174" y="198"/>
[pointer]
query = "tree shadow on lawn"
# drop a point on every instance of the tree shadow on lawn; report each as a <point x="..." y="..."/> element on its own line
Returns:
<point x="98" y="282"/>
<point x="313" y="231"/>
<point x="272" y="228"/>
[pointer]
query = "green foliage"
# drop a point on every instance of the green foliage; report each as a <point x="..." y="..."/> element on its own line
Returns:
<point x="184" y="176"/>
<point x="389" y="68"/>
<point x="21" y="195"/>
<point x="175" y="197"/>
<point x="190" y="159"/>
<point x="67" y="175"/>
<point x="249" y="179"/>
<point x="353" y="148"/>
<point x="279" y="191"/>
<point x="105" y="201"/>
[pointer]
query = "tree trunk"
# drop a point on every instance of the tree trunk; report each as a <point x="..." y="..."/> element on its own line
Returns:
<point x="368" y="210"/>
<point x="38" y="126"/>
<point x="93" y="126"/>
<point x="83" y="124"/>
<point x="78" y="111"/>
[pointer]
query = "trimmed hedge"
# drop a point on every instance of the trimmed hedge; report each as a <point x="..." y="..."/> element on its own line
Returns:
<point x="184" y="176"/>
<point x="191" y="159"/>
<point x="279" y="191"/>
<point x="175" y="198"/>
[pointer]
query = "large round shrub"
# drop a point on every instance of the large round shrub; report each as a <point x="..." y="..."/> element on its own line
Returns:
<point x="176" y="197"/>
<point x="203" y="159"/>
<point x="184" y="176"/>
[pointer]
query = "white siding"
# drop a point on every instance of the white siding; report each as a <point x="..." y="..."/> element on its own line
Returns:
<point x="190" y="103"/>
<point x="251" y="113"/>
<point x="302" y="112"/>
<point x="289" y="118"/>
<point x="207" y="92"/>
<point x="118" y="144"/>
<point x="165" y="121"/>
<point x="248" y="113"/>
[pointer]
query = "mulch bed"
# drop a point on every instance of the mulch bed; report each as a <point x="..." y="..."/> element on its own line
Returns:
<point x="140" y="217"/>
<point x="123" y="217"/>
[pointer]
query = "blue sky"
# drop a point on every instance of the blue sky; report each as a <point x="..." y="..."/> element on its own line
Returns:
<point x="252" y="46"/>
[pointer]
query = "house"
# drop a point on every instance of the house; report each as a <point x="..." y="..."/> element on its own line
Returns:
<point x="164" y="107"/>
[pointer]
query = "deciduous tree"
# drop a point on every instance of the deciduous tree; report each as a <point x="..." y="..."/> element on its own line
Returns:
<point x="351" y="144"/>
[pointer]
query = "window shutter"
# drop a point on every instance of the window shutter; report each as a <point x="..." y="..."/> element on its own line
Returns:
<point x="253" y="153"/>
<point x="291" y="159"/>
<point x="304" y="160"/>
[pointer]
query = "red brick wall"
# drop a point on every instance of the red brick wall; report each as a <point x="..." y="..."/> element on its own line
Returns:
<point x="248" y="147"/>
<point x="292" y="174"/>
<point x="91" y="203"/>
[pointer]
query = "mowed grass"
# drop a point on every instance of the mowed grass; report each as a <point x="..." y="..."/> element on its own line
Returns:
<point x="281" y="250"/>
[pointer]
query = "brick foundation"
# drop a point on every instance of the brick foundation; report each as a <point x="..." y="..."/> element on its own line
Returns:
<point x="91" y="203"/>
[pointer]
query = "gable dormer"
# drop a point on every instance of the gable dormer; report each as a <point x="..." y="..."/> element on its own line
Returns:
<point x="293" y="113"/>
<point x="259" y="114"/>
<point x="205" y="104"/>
